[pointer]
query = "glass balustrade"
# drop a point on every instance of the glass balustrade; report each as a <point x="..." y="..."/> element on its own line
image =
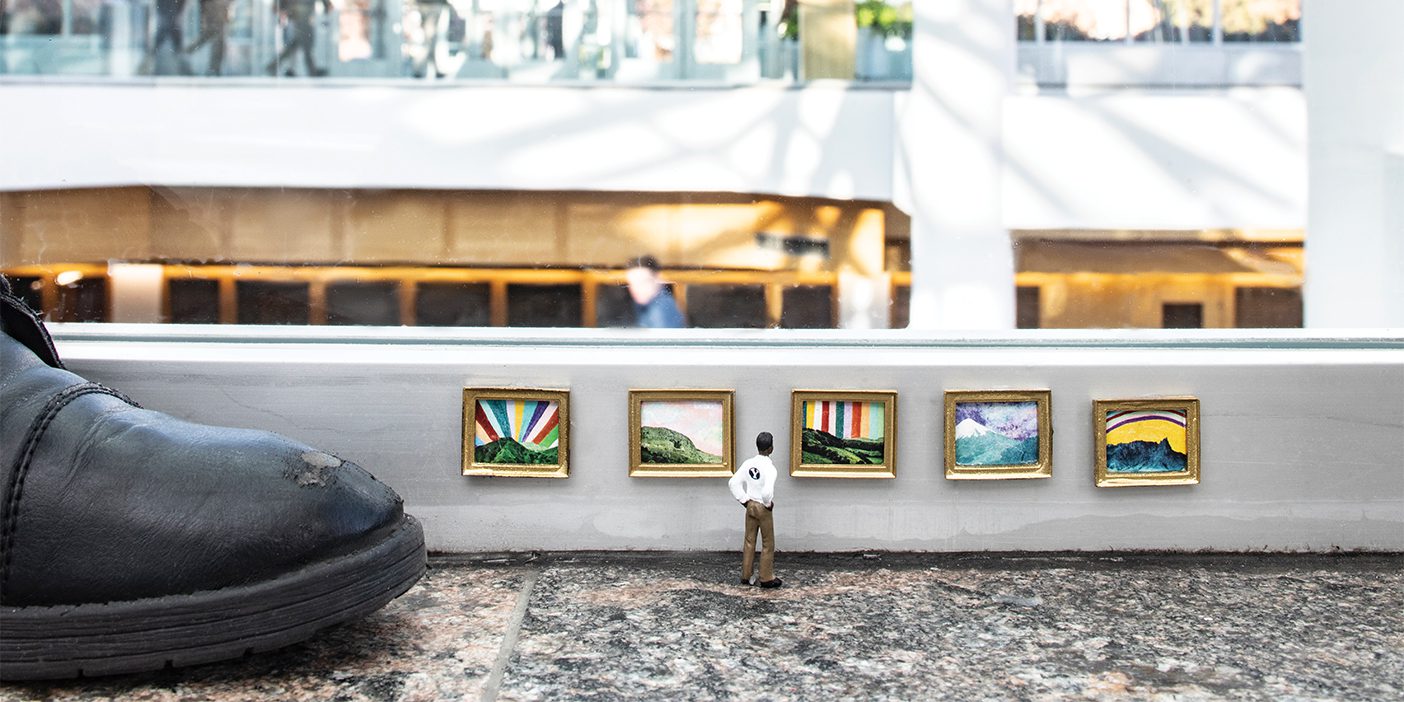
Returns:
<point x="622" y="41"/>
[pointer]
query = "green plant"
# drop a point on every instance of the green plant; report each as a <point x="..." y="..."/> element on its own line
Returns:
<point x="885" y="19"/>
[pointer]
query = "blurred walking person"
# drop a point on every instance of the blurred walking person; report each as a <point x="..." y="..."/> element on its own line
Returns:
<point x="169" y="17"/>
<point x="300" y="14"/>
<point x="214" y="18"/>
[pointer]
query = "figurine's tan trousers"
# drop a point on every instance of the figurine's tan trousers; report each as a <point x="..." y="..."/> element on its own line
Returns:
<point x="759" y="518"/>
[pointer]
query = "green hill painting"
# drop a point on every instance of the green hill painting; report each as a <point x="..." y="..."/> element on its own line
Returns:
<point x="681" y="432"/>
<point x="822" y="448"/>
<point x="843" y="433"/>
<point x="660" y="446"/>
<point x="507" y="451"/>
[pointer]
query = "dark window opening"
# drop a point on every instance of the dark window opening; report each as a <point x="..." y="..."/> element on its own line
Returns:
<point x="263" y="302"/>
<point x="363" y="303"/>
<point x="194" y="301"/>
<point x="84" y="300"/>
<point x="1262" y="308"/>
<point x="613" y="306"/>
<point x="453" y="305"/>
<point x="1028" y="314"/>
<point x="726" y="306"/>
<point x="807" y="307"/>
<point x="543" y="305"/>
<point x="1182" y="316"/>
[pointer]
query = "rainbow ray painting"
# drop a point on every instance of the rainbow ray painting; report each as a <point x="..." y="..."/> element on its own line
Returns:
<point x="517" y="432"/>
<point x="511" y="432"/>
<point x="1145" y="442"/>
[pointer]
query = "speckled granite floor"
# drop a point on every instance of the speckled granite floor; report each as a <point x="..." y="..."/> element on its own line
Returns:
<point x="1037" y="627"/>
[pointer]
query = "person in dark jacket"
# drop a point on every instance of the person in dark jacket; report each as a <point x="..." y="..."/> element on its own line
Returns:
<point x="654" y="306"/>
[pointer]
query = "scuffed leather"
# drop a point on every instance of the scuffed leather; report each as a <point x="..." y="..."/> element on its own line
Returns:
<point x="119" y="503"/>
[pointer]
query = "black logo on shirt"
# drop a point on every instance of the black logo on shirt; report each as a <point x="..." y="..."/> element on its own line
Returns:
<point x="754" y="473"/>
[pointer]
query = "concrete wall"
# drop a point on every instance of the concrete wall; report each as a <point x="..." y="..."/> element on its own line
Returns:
<point x="1124" y="159"/>
<point x="1357" y="165"/>
<point x="1301" y="443"/>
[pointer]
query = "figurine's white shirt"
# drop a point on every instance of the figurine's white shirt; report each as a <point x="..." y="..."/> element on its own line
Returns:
<point x="754" y="480"/>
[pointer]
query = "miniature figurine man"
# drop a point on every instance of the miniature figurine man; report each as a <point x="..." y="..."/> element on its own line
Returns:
<point x="753" y="486"/>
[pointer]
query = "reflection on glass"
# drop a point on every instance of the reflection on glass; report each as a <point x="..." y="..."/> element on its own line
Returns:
<point x="1262" y="20"/>
<point x="718" y="38"/>
<point x="515" y="40"/>
<point x="651" y="31"/>
<point x="1166" y="21"/>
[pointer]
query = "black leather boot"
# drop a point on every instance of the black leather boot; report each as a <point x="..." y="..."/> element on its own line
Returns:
<point x="131" y="540"/>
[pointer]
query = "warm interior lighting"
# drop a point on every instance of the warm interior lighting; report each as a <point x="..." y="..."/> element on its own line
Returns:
<point x="68" y="277"/>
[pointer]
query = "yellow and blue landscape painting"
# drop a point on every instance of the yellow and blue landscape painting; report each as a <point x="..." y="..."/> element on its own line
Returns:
<point x="681" y="432"/>
<point x="516" y="432"/>
<point x="1146" y="441"/>
<point x="996" y="433"/>
<point x="843" y="433"/>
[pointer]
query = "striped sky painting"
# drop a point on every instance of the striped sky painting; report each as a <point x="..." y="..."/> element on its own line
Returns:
<point x="1125" y="426"/>
<point x="846" y="420"/>
<point x="532" y="423"/>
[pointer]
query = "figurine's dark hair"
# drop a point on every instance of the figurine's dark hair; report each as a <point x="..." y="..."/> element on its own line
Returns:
<point x="764" y="441"/>
<point x="645" y="261"/>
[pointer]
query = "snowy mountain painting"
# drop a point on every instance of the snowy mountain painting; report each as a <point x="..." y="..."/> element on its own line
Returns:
<point x="996" y="433"/>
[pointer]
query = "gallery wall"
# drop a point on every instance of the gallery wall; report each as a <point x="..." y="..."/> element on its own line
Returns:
<point x="1301" y="437"/>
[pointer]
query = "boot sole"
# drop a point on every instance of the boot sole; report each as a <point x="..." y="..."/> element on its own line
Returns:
<point x="38" y="643"/>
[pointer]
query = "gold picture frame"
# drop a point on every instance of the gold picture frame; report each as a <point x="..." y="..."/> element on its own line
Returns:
<point x="1146" y="433"/>
<point x="516" y="423"/>
<point x="688" y="430"/>
<point x="827" y="419"/>
<point x="991" y="441"/>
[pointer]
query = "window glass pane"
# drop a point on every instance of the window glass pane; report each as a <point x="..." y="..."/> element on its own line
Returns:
<point x="543" y="305"/>
<point x="1262" y="20"/>
<point x="194" y="301"/>
<point x="363" y="303"/>
<point x="29" y="289"/>
<point x="272" y="303"/>
<point x="613" y="306"/>
<point x="83" y="300"/>
<point x="1182" y="315"/>
<point x="807" y="307"/>
<point x="1027" y="308"/>
<point x="1091" y="20"/>
<point x="1268" y="307"/>
<point x="1173" y="20"/>
<point x="719" y="33"/>
<point x="722" y="306"/>
<point x="651" y="31"/>
<point x="452" y="305"/>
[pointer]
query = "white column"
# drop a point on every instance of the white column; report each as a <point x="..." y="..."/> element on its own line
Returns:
<point x="1355" y="143"/>
<point x="950" y="156"/>
<point x="135" y="290"/>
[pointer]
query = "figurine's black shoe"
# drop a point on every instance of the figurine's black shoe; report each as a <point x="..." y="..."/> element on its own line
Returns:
<point x="131" y="540"/>
<point x="771" y="583"/>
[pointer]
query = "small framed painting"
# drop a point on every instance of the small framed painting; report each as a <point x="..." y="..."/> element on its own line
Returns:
<point x="843" y="434"/>
<point x="513" y="432"/>
<point x="1146" y="442"/>
<point x="998" y="434"/>
<point x="680" y="434"/>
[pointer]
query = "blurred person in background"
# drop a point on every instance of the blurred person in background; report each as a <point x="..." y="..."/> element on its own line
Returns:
<point x="654" y="306"/>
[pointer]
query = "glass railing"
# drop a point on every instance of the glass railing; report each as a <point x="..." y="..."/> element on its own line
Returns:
<point x="532" y="41"/>
<point x="1160" y="21"/>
